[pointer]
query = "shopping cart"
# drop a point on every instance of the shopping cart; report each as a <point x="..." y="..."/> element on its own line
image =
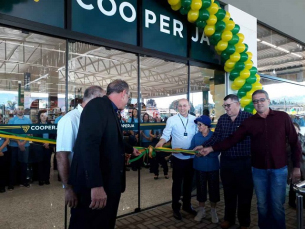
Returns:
<point x="300" y="192"/>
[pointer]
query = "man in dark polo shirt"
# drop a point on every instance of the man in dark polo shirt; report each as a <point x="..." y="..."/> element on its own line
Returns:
<point x="268" y="130"/>
<point x="235" y="165"/>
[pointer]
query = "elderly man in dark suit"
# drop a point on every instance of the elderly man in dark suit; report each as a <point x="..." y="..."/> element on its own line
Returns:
<point x="97" y="170"/>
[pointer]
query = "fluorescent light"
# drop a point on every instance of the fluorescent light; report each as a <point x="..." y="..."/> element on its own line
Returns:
<point x="41" y="77"/>
<point x="268" y="44"/>
<point x="258" y="39"/>
<point x="296" y="55"/>
<point x="282" y="49"/>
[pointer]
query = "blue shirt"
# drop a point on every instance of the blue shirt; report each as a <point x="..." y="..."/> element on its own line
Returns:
<point x="299" y="121"/>
<point x="16" y="120"/>
<point x="209" y="162"/>
<point x="57" y="119"/>
<point x="224" y="128"/>
<point x="147" y="133"/>
<point x="2" y="140"/>
<point x="176" y="127"/>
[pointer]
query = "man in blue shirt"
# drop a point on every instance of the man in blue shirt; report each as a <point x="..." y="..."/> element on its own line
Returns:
<point x="181" y="127"/>
<point x="19" y="152"/>
<point x="235" y="165"/>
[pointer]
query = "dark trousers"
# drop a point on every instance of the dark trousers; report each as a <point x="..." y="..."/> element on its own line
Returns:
<point x="83" y="217"/>
<point x="182" y="173"/>
<point x="236" y="176"/>
<point x="18" y="160"/>
<point x="208" y="179"/>
<point x="44" y="166"/>
<point x="4" y="169"/>
<point x="159" y="159"/>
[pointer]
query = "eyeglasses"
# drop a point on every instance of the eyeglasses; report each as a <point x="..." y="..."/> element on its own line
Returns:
<point x="227" y="105"/>
<point x="256" y="101"/>
<point x="199" y="124"/>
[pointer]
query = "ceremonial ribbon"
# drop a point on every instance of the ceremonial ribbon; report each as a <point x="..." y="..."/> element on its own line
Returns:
<point x="4" y="134"/>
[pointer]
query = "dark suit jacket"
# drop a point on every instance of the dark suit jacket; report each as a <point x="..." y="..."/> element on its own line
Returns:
<point x="99" y="150"/>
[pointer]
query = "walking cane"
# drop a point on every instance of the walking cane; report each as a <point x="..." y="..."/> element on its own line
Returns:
<point x="300" y="192"/>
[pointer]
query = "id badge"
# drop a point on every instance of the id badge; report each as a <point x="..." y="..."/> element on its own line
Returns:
<point x="185" y="135"/>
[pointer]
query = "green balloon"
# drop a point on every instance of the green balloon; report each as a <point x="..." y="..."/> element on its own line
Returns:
<point x="234" y="40"/>
<point x="184" y="10"/>
<point x="225" y="56"/>
<point x="240" y="66"/>
<point x="216" y="36"/>
<point x="203" y="15"/>
<point x="220" y="14"/>
<point x="241" y="93"/>
<point x="232" y="77"/>
<point x="246" y="49"/>
<point x="251" y="79"/>
<point x="206" y="3"/>
<point x="186" y="3"/>
<point x="216" y="2"/>
<point x="230" y="49"/>
<point x="253" y="71"/>
<point x="247" y="87"/>
<point x="234" y="72"/>
<point x="220" y="25"/>
<point x="201" y="24"/>
<point x="243" y="57"/>
<point x="248" y="109"/>
<point x="212" y="41"/>
<point x="236" y="29"/>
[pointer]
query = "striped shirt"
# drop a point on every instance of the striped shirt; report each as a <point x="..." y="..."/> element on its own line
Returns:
<point x="224" y="128"/>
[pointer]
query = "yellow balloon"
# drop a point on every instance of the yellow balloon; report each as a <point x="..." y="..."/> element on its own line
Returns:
<point x="254" y="111"/>
<point x="212" y="19"/>
<point x="218" y="52"/>
<point x="249" y="94"/>
<point x="241" y="37"/>
<point x="239" y="82"/>
<point x="249" y="64"/>
<point x="176" y="7"/>
<point x="209" y="30"/>
<point x="229" y="25"/>
<point x="192" y="15"/>
<point x="228" y="69"/>
<point x="244" y="101"/>
<point x="235" y="57"/>
<point x="234" y="87"/>
<point x="258" y="78"/>
<point x="240" y="47"/>
<point x="257" y="86"/>
<point x="230" y="64"/>
<point x="249" y="55"/>
<point x="226" y="35"/>
<point x="227" y="17"/>
<point x="222" y="45"/>
<point x="244" y="74"/>
<point x="213" y="8"/>
<point x="196" y="4"/>
<point x="173" y="2"/>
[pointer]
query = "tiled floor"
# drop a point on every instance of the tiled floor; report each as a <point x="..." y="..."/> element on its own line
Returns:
<point x="161" y="218"/>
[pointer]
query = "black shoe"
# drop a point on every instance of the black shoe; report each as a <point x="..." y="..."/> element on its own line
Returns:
<point x="156" y="177"/>
<point x="189" y="210"/>
<point x="26" y="185"/>
<point x="40" y="183"/>
<point x="177" y="214"/>
<point x="10" y="188"/>
<point x="47" y="182"/>
<point x="2" y="189"/>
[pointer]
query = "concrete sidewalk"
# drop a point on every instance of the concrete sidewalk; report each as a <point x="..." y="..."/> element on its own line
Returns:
<point x="162" y="218"/>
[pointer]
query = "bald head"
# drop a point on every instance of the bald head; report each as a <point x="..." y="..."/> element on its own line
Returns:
<point x="183" y="107"/>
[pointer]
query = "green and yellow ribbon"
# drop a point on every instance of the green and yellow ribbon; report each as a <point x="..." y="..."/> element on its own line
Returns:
<point x="4" y="134"/>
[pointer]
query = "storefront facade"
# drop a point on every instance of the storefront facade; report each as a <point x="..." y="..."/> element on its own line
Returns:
<point x="52" y="51"/>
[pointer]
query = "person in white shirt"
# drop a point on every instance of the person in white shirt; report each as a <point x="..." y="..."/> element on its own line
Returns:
<point x="67" y="130"/>
<point x="181" y="128"/>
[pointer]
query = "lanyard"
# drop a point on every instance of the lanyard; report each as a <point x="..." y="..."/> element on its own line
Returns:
<point x="183" y="123"/>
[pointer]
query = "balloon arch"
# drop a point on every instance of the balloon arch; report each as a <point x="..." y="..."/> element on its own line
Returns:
<point x="224" y="34"/>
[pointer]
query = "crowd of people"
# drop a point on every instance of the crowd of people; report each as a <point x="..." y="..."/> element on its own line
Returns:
<point x="262" y="152"/>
